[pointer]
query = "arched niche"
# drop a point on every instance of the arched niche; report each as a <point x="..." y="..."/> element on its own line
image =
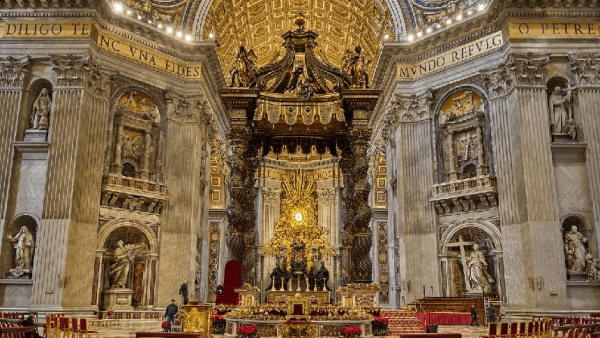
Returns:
<point x="142" y="270"/>
<point x="31" y="222"/>
<point x="561" y="109"/>
<point x="578" y="241"/>
<point x="37" y="117"/>
<point x="457" y="248"/>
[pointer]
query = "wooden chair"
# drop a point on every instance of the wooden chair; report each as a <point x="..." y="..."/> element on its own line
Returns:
<point x="492" y="331"/>
<point x="75" y="332"/>
<point x="83" y="329"/>
<point x="583" y="333"/>
<point x="503" y="330"/>
<point x="522" y="329"/>
<point x="513" y="329"/>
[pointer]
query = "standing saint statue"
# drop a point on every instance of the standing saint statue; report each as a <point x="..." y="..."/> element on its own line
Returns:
<point x="41" y="110"/>
<point x="24" y="245"/>
<point x="575" y="250"/>
<point x="558" y="111"/>
<point x="119" y="270"/>
<point x="479" y="278"/>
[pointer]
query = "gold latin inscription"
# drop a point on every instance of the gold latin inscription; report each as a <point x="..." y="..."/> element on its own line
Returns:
<point x="557" y="29"/>
<point x="104" y="40"/>
<point x="144" y="55"/>
<point x="451" y="57"/>
<point x="29" y="29"/>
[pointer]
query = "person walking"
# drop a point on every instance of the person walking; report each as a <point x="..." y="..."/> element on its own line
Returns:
<point x="491" y="313"/>
<point x="473" y="315"/>
<point x="170" y="313"/>
<point x="183" y="291"/>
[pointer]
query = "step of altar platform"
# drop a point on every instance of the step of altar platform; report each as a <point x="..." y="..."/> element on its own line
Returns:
<point x="402" y="321"/>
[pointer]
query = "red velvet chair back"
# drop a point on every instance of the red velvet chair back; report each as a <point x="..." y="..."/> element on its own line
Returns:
<point x="504" y="329"/>
<point x="233" y="275"/>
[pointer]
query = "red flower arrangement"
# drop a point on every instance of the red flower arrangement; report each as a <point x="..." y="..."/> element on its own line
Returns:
<point x="380" y="321"/>
<point x="217" y="317"/>
<point x="246" y="330"/>
<point x="351" y="331"/>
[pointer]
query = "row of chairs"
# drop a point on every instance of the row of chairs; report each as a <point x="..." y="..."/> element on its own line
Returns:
<point x="535" y="329"/>
<point x="14" y="330"/>
<point x="63" y="327"/>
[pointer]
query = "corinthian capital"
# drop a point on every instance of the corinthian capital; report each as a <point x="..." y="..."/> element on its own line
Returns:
<point x="69" y="69"/>
<point x="586" y="69"/>
<point x="407" y="109"/>
<point x="13" y="71"/>
<point x="517" y="70"/>
<point x="98" y="81"/>
<point x="180" y="108"/>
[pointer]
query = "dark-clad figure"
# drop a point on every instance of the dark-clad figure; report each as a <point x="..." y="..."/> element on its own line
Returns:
<point x="278" y="275"/>
<point x="170" y="313"/>
<point x="473" y="315"/>
<point x="322" y="278"/>
<point x="183" y="291"/>
<point x="491" y="314"/>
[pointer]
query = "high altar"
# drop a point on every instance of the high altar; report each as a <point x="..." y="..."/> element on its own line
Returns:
<point x="304" y="109"/>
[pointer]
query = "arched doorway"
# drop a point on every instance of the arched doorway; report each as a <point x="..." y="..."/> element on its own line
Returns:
<point x="471" y="260"/>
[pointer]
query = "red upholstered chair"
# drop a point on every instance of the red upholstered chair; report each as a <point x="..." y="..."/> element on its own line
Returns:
<point x="522" y="329"/>
<point x="513" y="329"/>
<point x="503" y="329"/>
<point x="492" y="331"/>
<point x="530" y="332"/>
<point x="583" y="333"/>
<point x="83" y="329"/>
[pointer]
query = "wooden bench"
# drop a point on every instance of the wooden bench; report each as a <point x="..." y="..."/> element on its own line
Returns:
<point x="430" y="335"/>
<point x="167" y="334"/>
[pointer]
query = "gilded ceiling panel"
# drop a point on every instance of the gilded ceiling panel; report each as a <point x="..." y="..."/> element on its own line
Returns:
<point x="258" y="25"/>
<point x="424" y="13"/>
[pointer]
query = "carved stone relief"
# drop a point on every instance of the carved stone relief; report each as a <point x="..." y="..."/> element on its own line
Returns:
<point x="517" y="70"/>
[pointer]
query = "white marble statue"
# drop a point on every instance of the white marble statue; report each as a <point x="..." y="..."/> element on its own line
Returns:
<point x="119" y="270"/>
<point x="479" y="278"/>
<point x="575" y="250"/>
<point x="41" y="110"/>
<point x="24" y="245"/>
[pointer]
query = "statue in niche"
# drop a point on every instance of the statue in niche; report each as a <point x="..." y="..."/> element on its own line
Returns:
<point x="243" y="69"/>
<point x="119" y="270"/>
<point x="575" y="250"/>
<point x="560" y="104"/>
<point x="479" y="278"/>
<point x="306" y="88"/>
<point x="354" y="66"/>
<point x="24" y="245"/>
<point x="41" y="110"/>
<point x="322" y="278"/>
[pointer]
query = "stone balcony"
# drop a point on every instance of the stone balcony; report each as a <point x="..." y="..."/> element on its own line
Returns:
<point x="133" y="194"/>
<point x="471" y="194"/>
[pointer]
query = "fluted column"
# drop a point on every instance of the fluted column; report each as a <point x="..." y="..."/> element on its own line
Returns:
<point x="527" y="202"/>
<point x="413" y="214"/>
<point x="586" y="70"/>
<point x="53" y="237"/>
<point x="185" y="137"/>
<point x="12" y="72"/>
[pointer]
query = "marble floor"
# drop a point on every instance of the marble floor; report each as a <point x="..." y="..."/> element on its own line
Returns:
<point x="128" y="328"/>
